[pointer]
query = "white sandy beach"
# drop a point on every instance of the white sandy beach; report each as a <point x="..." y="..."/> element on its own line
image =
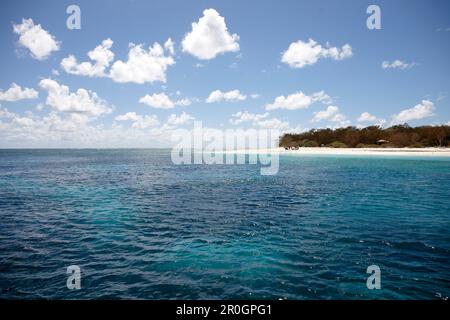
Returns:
<point x="355" y="151"/>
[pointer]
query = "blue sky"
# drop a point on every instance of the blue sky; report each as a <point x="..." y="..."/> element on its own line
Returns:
<point x="330" y="92"/>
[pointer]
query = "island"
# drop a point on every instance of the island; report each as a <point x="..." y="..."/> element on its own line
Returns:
<point x="398" y="136"/>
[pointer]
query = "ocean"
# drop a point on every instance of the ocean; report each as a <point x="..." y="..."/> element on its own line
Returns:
<point x="140" y="227"/>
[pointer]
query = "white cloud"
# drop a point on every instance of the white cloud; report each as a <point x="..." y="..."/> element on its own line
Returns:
<point x="339" y="118"/>
<point x="139" y="121"/>
<point x="331" y="114"/>
<point x="170" y="46"/>
<point x="143" y="65"/>
<point x="24" y="121"/>
<point x="39" y="41"/>
<point x="71" y="130"/>
<point x="129" y="116"/>
<point x="321" y="96"/>
<point x="397" y="64"/>
<point x="240" y="117"/>
<point x="32" y="128"/>
<point x="366" y="117"/>
<point x="422" y="110"/>
<point x="300" y="53"/>
<point x="4" y="113"/>
<point x="441" y="96"/>
<point x="273" y="123"/>
<point x="298" y="100"/>
<point x="210" y="37"/>
<point x="231" y="96"/>
<point x="82" y="102"/>
<point x="233" y="65"/>
<point x="182" y="119"/>
<point x="163" y="101"/>
<point x="146" y="122"/>
<point x="15" y="93"/>
<point x="157" y="100"/>
<point x="255" y="95"/>
<point x="380" y="122"/>
<point x="260" y="121"/>
<point x="101" y="56"/>
<point x="183" y="102"/>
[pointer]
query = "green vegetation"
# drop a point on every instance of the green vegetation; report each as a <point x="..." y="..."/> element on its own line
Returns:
<point x="398" y="136"/>
<point x="337" y="144"/>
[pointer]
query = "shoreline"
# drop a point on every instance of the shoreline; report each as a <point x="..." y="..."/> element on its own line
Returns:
<point x="440" y="152"/>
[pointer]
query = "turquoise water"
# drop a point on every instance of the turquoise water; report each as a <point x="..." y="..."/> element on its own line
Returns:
<point x="140" y="227"/>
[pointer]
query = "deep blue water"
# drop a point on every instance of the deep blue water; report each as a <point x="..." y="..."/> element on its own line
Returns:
<point x="140" y="227"/>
